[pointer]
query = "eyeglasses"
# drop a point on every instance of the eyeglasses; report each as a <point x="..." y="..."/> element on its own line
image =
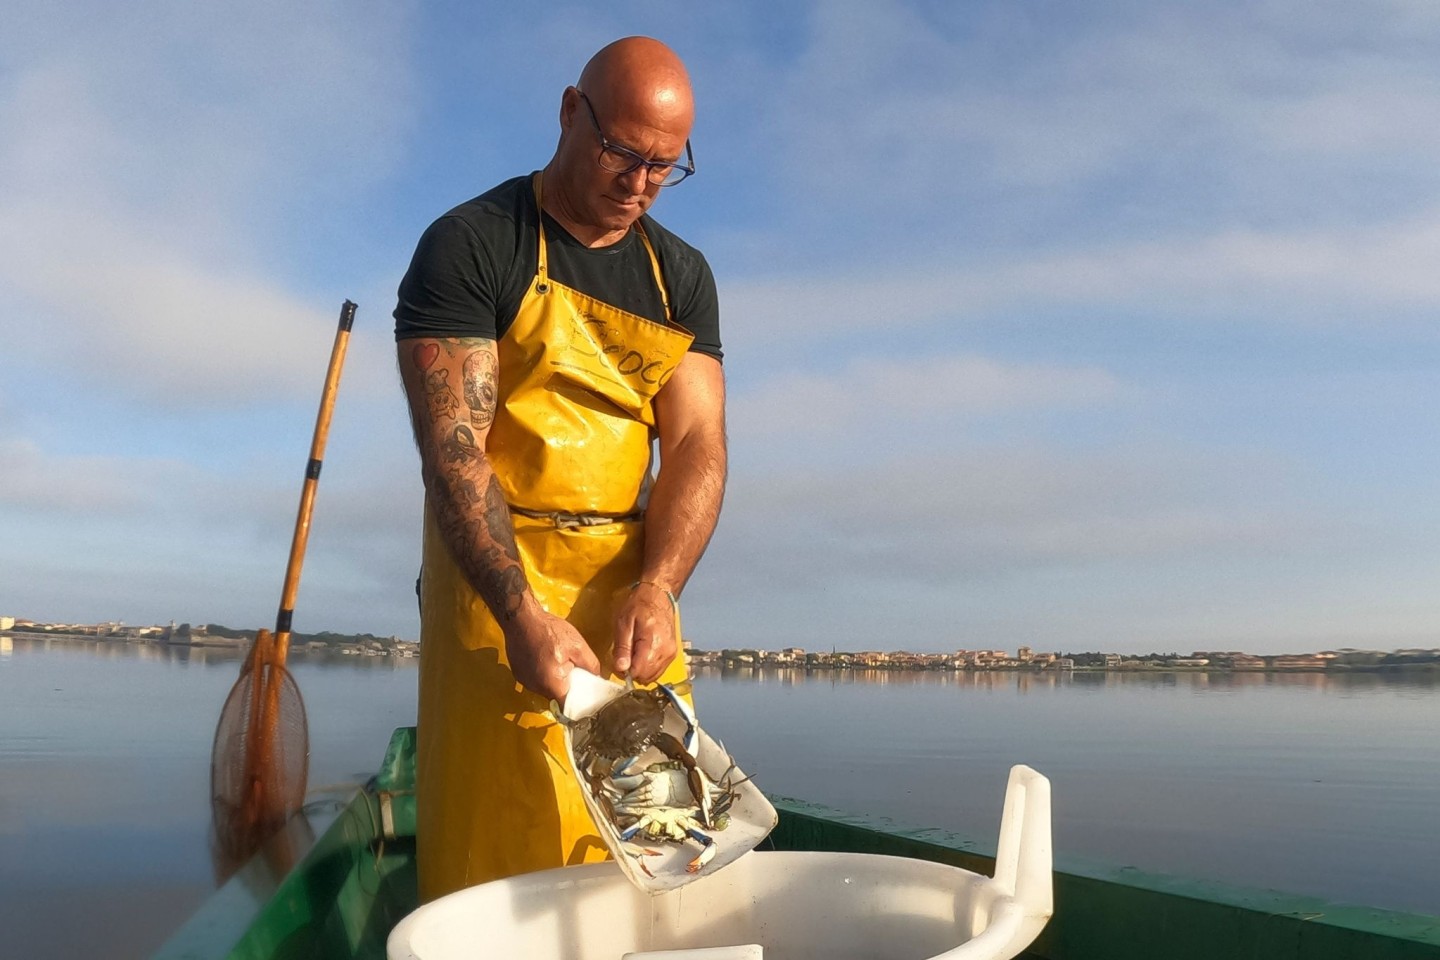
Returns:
<point x="618" y="159"/>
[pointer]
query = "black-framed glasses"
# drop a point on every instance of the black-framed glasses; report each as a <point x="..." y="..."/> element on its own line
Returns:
<point x="618" y="159"/>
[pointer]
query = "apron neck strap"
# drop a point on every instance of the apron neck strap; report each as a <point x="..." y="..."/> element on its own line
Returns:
<point x="543" y="283"/>
<point x="655" y="269"/>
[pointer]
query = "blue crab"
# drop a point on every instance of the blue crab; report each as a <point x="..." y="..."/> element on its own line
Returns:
<point x="658" y="802"/>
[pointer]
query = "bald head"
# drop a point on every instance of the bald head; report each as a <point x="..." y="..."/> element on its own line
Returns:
<point x="641" y="79"/>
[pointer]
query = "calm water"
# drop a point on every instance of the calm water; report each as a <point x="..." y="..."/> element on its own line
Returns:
<point x="1311" y="784"/>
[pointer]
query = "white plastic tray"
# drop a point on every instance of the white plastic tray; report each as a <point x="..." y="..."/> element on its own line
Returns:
<point x="752" y="817"/>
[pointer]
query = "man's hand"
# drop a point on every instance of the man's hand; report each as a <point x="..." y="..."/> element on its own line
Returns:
<point x="645" y="640"/>
<point x="544" y="650"/>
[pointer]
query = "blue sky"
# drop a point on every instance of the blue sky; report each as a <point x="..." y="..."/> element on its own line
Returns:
<point x="1086" y="326"/>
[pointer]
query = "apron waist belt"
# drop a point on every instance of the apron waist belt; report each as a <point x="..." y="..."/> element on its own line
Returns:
<point x="567" y="521"/>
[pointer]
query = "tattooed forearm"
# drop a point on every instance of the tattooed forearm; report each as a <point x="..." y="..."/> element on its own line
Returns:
<point x="506" y="583"/>
<point x="477" y="528"/>
<point x="483" y="548"/>
<point x="497" y="518"/>
<point x="461" y="445"/>
<point x="465" y="494"/>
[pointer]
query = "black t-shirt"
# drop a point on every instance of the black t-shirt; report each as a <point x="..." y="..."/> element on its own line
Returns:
<point x="473" y="266"/>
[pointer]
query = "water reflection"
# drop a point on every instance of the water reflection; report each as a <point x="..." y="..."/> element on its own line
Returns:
<point x="1319" y="783"/>
<point x="92" y="648"/>
<point x="1197" y="682"/>
<point x="105" y="749"/>
<point x="1322" y="783"/>
<point x="1340" y="681"/>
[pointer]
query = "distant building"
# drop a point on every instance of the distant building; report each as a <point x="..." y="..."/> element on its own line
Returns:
<point x="7" y="623"/>
<point x="1304" y="661"/>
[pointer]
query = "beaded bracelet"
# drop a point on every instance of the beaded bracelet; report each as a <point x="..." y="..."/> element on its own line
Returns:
<point x="673" y="602"/>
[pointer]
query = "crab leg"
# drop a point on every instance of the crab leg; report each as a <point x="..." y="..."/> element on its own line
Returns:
<point x="707" y="851"/>
<point x="699" y="786"/>
<point x="623" y="778"/>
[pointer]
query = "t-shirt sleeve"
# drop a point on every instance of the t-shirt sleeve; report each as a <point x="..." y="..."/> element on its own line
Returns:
<point x="450" y="288"/>
<point x="698" y="307"/>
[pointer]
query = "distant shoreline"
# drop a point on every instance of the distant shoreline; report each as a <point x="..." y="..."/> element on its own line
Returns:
<point x="410" y="651"/>
<point x="1430" y="667"/>
<point x="210" y="644"/>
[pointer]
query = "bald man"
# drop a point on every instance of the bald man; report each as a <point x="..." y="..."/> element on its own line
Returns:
<point x="549" y="332"/>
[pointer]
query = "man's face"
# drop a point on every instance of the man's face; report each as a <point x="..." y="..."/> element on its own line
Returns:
<point x="613" y="201"/>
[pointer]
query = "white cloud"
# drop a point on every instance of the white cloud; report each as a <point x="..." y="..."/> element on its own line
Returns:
<point x="145" y="316"/>
<point x="155" y="159"/>
<point x="870" y="396"/>
<point x="165" y="99"/>
<point x="904" y="130"/>
<point x="153" y="538"/>
<point x="1358" y="275"/>
<point x="991" y="512"/>
<point x="999" y="546"/>
<point x="36" y="482"/>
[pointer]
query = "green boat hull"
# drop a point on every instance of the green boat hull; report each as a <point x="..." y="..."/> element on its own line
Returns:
<point x="337" y="896"/>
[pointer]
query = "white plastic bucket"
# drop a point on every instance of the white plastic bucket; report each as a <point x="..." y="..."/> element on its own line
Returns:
<point x="793" y="905"/>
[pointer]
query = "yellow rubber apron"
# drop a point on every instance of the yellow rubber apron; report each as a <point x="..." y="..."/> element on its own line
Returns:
<point x="571" y="446"/>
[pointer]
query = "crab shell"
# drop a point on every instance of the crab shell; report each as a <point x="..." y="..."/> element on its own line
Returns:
<point x="631" y="722"/>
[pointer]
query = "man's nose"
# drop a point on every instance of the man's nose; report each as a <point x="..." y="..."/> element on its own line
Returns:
<point x="636" y="180"/>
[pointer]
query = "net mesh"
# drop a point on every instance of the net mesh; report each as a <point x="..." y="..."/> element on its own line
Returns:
<point x="260" y="759"/>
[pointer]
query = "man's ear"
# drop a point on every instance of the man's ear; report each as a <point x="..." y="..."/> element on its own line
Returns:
<point x="569" y="103"/>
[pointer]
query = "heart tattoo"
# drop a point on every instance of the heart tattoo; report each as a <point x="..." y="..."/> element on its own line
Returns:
<point x="424" y="354"/>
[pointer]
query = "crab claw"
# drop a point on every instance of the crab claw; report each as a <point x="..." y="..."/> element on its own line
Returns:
<point x="692" y="726"/>
<point x="707" y="851"/>
<point x="700" y="789"/>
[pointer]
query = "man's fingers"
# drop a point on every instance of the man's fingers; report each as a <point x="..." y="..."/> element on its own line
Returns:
<point x="649" y="658"/>
<point x="560" y="688"/>
<point x="624" y="641"/>
<point x="640" y="660"/>
<point x="585" y="659"/>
